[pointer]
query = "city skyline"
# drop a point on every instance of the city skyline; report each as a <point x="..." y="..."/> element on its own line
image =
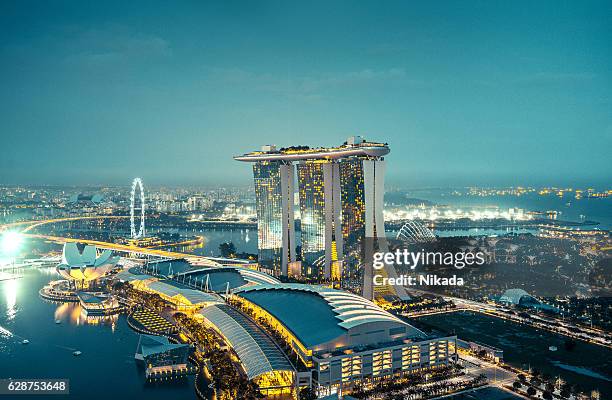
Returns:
<point x="477" y="94"/>
<point x="337" y="200"/>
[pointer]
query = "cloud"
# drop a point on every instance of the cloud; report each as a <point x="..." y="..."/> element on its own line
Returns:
<point x="308" y="86"/>
<point x="555" y="78"/>
<point x="115" y="44"/>
<point x="92" y="46"/>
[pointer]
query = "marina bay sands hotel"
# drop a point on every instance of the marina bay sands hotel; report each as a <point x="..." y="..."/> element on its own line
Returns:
<point x="341" y="204"/>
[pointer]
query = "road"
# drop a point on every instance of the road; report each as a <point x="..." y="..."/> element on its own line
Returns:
<point x="124" y="248"/>
<point x="590" y="335"/>
<point x="29" y="225"/>
<point x="496" y="375"/>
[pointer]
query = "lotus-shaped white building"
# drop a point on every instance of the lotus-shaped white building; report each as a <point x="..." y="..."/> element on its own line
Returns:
<point x="82" y="263"/>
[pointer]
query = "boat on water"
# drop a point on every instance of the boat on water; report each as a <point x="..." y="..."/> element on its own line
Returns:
<point x="25" y="341"/>
<point x="76" y="353"/>
<point x="57" y="321"/>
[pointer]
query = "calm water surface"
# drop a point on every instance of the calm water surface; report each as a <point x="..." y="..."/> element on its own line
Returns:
<point x="106" y="368"/>
<point x="569" y="208"/>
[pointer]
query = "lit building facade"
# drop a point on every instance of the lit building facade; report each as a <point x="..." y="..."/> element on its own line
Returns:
<point x="274" y="187"/>
<point x="356" y="342"/>
<point x="341" y="192"/>
<point x="320" y="210"/>
<point x="337" y="372"/>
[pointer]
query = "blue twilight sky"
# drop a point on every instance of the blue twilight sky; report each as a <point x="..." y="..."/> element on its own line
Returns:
<point x="465" y="92"/>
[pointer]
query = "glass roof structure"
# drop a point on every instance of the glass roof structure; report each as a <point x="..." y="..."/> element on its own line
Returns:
<point x="219" y="277"/>
<point x="257" y="352"/>
<point x="513" y="296"/>
<point x="167" y="267"/>
<point x="91" y="298"/>
<point x="183" y="275"/>
<point x="132" y="274"/>
<point x="151" y="344"/>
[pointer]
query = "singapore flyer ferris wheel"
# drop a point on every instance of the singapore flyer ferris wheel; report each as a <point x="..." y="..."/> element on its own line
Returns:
<point x="137" y="209"/>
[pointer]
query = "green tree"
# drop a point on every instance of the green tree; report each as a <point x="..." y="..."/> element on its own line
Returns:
<point x="247" y="390"/>
<point x="227" y="249"/>
<point x="569" y="344"/>
<point x="307" y="394"/>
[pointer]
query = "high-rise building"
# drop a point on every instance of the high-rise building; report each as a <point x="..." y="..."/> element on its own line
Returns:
<point x="320" y="210"/>
<point x="274" y="187"/>
<point x="341" y="193"/>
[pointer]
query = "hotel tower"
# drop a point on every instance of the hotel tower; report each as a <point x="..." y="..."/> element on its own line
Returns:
<point x="341" y="193"/>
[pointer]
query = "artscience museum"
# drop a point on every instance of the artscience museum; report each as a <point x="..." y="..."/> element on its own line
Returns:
<point x="82" y="264"/>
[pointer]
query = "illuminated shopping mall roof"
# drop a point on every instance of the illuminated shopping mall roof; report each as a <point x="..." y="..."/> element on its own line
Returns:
<point x="333" y="312"/>
<point x="257" y="352"/>
<point x="370" y="149"/>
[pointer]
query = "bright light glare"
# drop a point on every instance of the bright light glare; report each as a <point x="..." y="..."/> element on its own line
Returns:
<point x="11" y="242"/>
